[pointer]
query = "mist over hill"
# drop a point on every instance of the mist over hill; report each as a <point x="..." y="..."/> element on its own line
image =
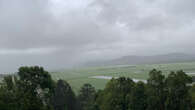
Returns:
<point x="156" y="59"/>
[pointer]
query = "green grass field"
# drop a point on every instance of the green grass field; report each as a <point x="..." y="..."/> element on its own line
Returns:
<point x="77" y="77"/>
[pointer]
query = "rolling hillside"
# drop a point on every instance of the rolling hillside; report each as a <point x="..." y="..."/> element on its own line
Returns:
<point x="157" y="59"/>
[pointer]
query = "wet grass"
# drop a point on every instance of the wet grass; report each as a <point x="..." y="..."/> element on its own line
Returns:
<point x="78" y="77"/>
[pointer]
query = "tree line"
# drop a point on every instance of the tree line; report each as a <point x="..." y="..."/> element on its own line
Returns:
<point x="33" y="89"/>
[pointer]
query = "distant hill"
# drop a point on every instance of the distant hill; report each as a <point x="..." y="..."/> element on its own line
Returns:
<point x="157" y="59"/>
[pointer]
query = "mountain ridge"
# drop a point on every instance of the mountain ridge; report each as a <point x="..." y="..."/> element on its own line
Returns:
<point x="155" y="59"/>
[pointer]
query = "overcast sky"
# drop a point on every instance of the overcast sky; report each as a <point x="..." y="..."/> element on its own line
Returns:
<point x="60" y="33"/>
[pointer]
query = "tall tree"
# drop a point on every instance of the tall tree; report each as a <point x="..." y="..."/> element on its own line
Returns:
<point x="116" y="95"/>
<point x="178" y="91"/>
<point x="12" y="97"/>
<point x="87" y="97"/>
<point x="7" y="95"/>
<point x="36" y="81"/>
<point x="36" y="78"/>
<point x="156" y="90"/>
<point x="192" y="93"/>
<point x="64" y="98"/>
<point x="138" y="99"/>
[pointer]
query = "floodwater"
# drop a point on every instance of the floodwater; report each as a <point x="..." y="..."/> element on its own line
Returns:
<point x="190" y="73"/>
<point x="110" y="77"/>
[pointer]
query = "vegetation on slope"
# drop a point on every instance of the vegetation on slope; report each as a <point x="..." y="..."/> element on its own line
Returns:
<point x="34" y="89"/>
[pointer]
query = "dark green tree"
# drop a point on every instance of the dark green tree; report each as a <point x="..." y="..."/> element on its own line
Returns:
<point x="86" y="97"/>
<point x="192" y="93"/>
<point x="7" y="95"/>
<point x="10" y="82"/>
<point x="116" y="95"/>
<point x="14" y="98"/>
<point x="64" y="98"/>
<point x="138" y="99"/>
<point x="36" y="78"/>
<point x="178" y="91"/>
<point x="30" y="91"/>
<point x="37" y="81"/>
<point x="156" y="90"/>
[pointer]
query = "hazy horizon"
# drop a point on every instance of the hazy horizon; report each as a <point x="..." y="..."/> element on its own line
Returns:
<point x="64" y="33"/>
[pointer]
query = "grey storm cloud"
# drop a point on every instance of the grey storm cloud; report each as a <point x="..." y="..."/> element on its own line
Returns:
<point x="63" y="33"/>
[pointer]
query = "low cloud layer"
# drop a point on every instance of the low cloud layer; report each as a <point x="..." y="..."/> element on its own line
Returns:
<point x="63" y="33"/>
